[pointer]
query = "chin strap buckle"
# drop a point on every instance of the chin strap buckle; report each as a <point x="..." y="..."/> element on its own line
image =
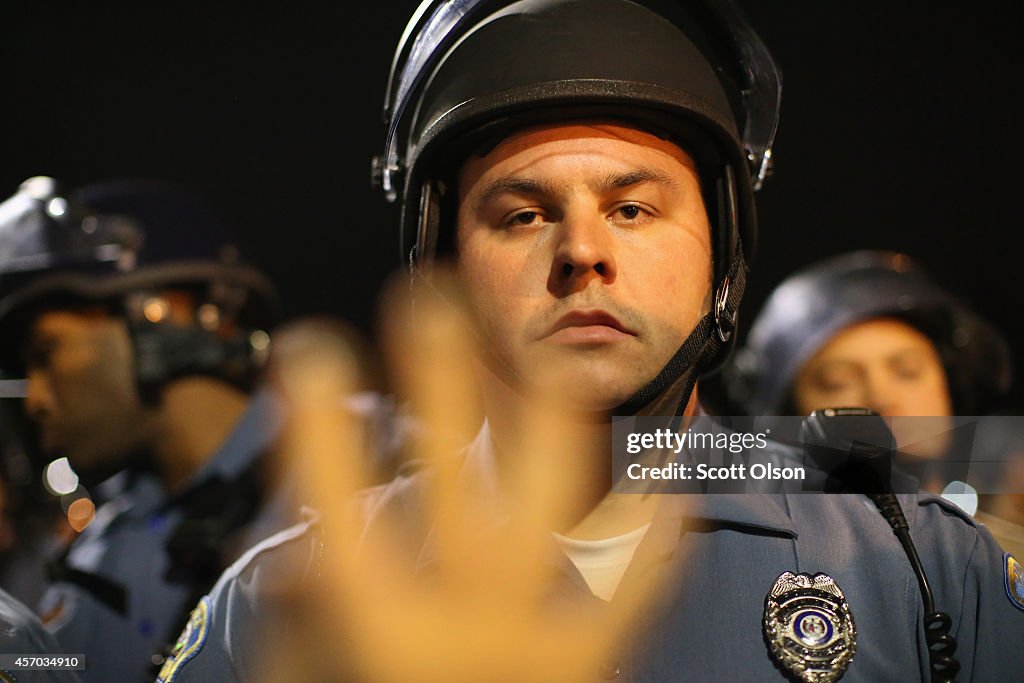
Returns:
<point x="725" y="318"/>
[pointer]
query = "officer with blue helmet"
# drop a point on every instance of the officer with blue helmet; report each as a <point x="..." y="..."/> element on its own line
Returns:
<point x="872" y="328"/>
<point x="781" y="370"/>
<point x="141" y="333"/>
<point x="591" y="165"/>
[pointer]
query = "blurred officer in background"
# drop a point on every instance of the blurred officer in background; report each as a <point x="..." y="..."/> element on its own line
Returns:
<point x="141" y="334"/>
<point x="872" y="329"/>
<point x="590" y="166"/>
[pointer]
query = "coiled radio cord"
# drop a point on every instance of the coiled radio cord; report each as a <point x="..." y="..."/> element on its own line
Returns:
<point x="941" y="646"/>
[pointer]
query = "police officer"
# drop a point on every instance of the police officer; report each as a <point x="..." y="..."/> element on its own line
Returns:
<point x="846" y="329"/>
<point x="141" y="334"/>
<point x="591" y="165"/>
<point x="871" y="328"/>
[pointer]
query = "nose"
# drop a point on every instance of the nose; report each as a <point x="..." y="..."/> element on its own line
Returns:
<point x="584" y="252"/>
<point x="38" y="396"/>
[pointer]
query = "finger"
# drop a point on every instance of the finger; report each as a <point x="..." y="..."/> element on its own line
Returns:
<point x="322" y="438"/>
<point x="544" y="477"/>
<point x="431" y="344"/>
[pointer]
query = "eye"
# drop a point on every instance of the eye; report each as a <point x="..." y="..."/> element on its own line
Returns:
<point x="522" y="219"/>
<point x="908" y="373"/>
<point x="631" y="213"/>
<point x="833" y="385"/>
<point x="37" y="354"/>
<point x="908" y="368"/>
<point x="835" y="380"/>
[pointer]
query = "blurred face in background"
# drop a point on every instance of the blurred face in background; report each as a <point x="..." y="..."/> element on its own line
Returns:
<point x="888" y="366"/>
<point x="81" y="389"/>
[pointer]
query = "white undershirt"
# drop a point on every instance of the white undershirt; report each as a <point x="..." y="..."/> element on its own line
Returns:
<point x="603" y="562"/>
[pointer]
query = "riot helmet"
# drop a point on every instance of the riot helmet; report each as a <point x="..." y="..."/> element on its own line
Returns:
<point x="807" y="309"/>
<point x="121" y="244"/>
<point x="469" y="72"/>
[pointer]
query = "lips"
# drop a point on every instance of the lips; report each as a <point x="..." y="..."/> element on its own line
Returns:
<point x="588" y="327"/>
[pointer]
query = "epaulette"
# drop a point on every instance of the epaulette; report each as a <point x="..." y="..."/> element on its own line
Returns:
<point x="947" y="506"/>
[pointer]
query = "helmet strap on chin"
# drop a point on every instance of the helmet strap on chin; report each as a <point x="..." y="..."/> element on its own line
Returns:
<point x="700" y="349"/>
<point x="708" y="342"/>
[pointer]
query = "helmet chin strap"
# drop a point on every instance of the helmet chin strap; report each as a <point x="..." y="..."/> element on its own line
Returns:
<point x="697" y="352"/>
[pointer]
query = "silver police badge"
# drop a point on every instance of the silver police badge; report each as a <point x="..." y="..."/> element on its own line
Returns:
<point x="809" y="627"/>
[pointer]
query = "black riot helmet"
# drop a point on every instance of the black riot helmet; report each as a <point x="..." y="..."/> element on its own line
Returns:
<point x="807" y="309"/>
<point x="121" y="244"/>
<point x="469" y="72"/>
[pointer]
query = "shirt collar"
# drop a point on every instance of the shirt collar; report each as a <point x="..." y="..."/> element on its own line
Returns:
<point x="249" y="438"/>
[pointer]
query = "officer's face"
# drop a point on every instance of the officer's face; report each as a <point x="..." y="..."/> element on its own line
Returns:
<point x="882" y="364"/>
<point x="81" y="389"/>
<point x="885" y="365"/>
<point x="585" y="249"/>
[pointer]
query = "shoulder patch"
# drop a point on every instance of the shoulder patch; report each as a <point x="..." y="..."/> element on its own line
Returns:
<point x="189" y="643"/>
<point x="1013" y="579"/>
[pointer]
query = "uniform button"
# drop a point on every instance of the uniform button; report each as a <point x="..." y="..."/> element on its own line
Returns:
<point x="610" y="671"/>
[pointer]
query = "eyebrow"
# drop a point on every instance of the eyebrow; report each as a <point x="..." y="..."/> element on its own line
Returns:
<point x="539" y="188"/>
<point x="618" y="181"/>
<point x="513" y="185"/>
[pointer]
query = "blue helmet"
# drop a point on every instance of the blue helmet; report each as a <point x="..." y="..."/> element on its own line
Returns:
<point x="807" y="309"/>
<point x="121" y="243"/>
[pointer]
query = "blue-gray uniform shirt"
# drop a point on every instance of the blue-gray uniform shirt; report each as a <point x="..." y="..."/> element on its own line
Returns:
<point x="22" y="634"/>
<point x="726" y="552"/>
<point x="126" y="546"/>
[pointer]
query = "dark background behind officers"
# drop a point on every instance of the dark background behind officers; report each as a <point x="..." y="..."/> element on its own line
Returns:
<point x="897" y="132"/>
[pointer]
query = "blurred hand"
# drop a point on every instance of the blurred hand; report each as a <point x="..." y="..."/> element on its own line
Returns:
<point x="483" y="611"/>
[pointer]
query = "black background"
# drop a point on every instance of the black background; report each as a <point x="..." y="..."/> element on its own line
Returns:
<point x="899" y="130"/>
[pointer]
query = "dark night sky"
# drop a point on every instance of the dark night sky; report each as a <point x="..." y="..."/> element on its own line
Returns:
<point x="897" y="131"/>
